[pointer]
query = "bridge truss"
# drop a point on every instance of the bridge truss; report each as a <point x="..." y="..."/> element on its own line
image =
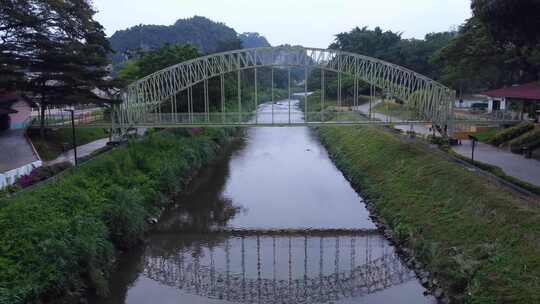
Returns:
<point x="144" y="100"/>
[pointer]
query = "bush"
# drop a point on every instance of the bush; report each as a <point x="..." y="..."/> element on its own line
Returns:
<point x="527" y="140"/>
<point x="511" y="133"/>
<point x="41" y="174"/>
<point x="59" y="238"/>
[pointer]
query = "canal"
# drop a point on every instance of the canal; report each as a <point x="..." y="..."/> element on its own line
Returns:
<point x="271" y="221"/>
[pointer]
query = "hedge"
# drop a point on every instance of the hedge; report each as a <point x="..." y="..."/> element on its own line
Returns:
<point x="60" y="239"/>
<point x="511" y="133"/>
<point x="527" y="140"/>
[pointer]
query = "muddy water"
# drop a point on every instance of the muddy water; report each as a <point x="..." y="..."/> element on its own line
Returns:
<point x="273" y="221"/>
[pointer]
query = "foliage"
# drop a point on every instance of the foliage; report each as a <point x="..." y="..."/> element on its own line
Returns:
<point x="394" y="109"/>
<point x="9" y="190"/>
<point x="58" y="47"/>
<point x="522" y="15"/>
<point x="42" y="173"/>
<point x="253" y="40"/>
<point x="528" y="140"/>
<point x="513" y="25"/>
<point x="153" y="61"/>
<point x="60" y="140"/>
<point x="474" y="61"/>
<point x="487" y="134"/>
<point x="58" y="239"/>
<point x="208" y="36"/>
<point x="414" y="54"/>
<point x="477" y="239"/>
<point x="511" y="133"/>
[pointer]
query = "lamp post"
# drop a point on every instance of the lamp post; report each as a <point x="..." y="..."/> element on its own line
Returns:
<point x="74" y="140"/>
<point x="473" y="140"/>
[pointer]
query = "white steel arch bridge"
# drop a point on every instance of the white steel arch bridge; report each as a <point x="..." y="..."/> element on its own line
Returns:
<point x="144" y="100"/>
<point x="165" y="99"/>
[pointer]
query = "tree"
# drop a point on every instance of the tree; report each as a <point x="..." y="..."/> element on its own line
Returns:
<point x="253" y="40"/>
<point x="16" y="20"/>
<point x="150" y="62"/>
<point x="511" y="21"/>
<point x="471" y="61"/>
<point x="414" y="54"/>
<point x="374" y="43"/>
<point x="513" y="25"/>
<point x="61" y="50"/>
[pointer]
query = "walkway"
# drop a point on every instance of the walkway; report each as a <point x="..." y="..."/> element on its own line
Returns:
<point x="515" y="165"/>
<point x="82" y="151"/>
<point x="418" y="129"/>
<point x="15" y="150"/>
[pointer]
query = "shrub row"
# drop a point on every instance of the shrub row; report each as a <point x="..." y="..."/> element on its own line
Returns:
<point x="59" y="239"/>
<point x="528" y="140"/>
<point x="511" y="133"/>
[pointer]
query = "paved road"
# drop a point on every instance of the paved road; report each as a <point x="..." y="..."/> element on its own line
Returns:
<point x="512" y="164"/>
<point x="15" y="151"/>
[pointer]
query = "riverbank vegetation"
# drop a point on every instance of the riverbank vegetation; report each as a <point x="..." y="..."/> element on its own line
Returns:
<point x="60" y="239"/>
<point x="478" y="240"/>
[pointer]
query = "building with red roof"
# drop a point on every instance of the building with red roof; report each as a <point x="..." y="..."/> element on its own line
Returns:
<point x="523" y="100"/>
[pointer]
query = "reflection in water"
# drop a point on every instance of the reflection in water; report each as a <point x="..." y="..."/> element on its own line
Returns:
<point x="273" y="221"/>
<point x="276" y="269"/>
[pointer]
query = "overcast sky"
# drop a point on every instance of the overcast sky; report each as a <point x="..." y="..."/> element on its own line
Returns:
<point x="311" y="23"/>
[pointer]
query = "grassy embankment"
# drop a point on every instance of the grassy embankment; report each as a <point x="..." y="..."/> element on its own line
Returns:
<point x="60" y="239"/>
<point x="394" y="109"/>
<point x="58" y="141"/>
<point x="480" y="241"/>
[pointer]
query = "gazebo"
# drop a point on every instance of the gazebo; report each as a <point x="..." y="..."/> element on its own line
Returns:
<point x="522" y="100"/>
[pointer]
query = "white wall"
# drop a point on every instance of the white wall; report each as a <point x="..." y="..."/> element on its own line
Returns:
<point x="10" y="177"/>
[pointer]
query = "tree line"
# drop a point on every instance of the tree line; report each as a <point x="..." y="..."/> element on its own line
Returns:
<point x="499" y="45"/>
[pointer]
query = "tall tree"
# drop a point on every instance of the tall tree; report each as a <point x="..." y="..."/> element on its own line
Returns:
<point x="16" y="23"/>
<point x="511" y="21"/>
<point x="472" y="61"/>
<point x="513" y="25"/>
<point x="61" y="49"/>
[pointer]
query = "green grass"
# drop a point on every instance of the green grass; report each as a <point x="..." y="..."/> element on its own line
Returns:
<point x="487" y="135"/>
<point x="58" y="141"/>
<point x="479" y="240"/>
<point x="59" y="239"/>
<point x="394" y="109"/>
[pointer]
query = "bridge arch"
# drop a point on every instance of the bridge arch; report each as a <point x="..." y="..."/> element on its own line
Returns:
<point x="430" y="99"/>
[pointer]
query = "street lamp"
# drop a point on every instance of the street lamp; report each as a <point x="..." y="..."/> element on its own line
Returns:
<point x="474" y="140"/>
<point x="74" y="140"/>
